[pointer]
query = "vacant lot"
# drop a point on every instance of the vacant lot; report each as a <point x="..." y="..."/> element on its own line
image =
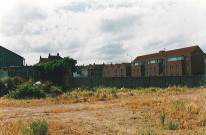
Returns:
<point x="174" y="110"/>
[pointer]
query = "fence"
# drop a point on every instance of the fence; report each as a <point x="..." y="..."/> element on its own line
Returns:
<point x="135" y="82"/>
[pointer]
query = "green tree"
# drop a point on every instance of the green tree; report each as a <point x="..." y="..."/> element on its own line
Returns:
<point x="57" y="70"/>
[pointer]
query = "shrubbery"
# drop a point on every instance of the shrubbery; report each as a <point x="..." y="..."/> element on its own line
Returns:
<point x="36" y="128"/>
<point x="27" y="91"/>
<point x="8" y="83"/>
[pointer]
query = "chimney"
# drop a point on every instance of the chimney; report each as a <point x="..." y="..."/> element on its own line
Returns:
<point x="161" y="51"/>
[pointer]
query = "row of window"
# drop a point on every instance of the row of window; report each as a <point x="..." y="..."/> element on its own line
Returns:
<point x="155" y="70"/>
<point x="175" y="58"/>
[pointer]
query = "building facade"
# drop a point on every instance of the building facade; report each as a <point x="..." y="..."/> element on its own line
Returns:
<point x="117" y="70"/>
<point x="10" y="59"/>
<point x="90" y="70"/>
<point x="50" y="58"/>
<point x="184" y="61"/>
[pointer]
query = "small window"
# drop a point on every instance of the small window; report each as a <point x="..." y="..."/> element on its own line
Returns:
<point x="163" y="69"/>
<point x="163" y="61"/>
<point x="150" y="70"/>
<point x="155" y="69"/>
<point x="134" y="70"/>
<point x="176" y="67"/>
<point x="187" y="67"/>
<point x="171" y="68"/>
<point x="122" y="70"/>
<point x="137" y="71"/>
<point x="187" y="59"/>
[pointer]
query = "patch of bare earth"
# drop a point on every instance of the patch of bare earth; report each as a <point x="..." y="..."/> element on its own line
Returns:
<point x="140" y="113"/>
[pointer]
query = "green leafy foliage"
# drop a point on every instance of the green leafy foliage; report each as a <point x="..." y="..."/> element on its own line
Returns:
<point x="162" y="118"/>
<point x="173" y="126"/>
<point x="27" y="91"/>
<point x="9" y="83"/>
<point x="56" y="70"/>
<point x="55" y="91"/>
<point x="36" y="128"/>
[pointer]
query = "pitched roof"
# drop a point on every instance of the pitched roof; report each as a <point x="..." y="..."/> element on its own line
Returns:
<point x="126" y="64"/>
<point x="167" y="53"/>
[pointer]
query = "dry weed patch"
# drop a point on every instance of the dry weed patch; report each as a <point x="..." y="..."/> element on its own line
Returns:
<point x="172" y="110"/>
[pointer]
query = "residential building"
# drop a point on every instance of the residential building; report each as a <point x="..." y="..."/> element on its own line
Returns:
<point x="117" y="70"/>
<point x="10" y="59"/>
<point x="50" y="58"/>
<point x="90" y="70"/>
<point x="178" y="62"/>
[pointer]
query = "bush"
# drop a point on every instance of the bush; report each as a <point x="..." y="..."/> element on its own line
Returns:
<point x="46" y="86"/>
<point x="55" y="91"/>
<point x="26" y="91"/>
<point x="37" y="128"/>
<point x="8" y="83"/>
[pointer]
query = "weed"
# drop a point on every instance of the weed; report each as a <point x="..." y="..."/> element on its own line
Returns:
<point x="162" y="118"/>
<point x="173" y="126"/>
<point x="36" y="128"/>
<point x="179" y="104"/>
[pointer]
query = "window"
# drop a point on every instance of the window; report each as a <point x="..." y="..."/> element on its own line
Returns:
<point x="176" y="67"/>
<point x="150" y="70"/>
<point x="163" y="69"/>
<point x="171" y="68"/>
<point x="187" y="59"/>
<point x="187" y="67"/>
<point x="122" y="70"/>
<point x="175" y="58"/>
<point x="155" y="69"/>
<point x="137" y="63"/>
<point x="134" y="70"/>
<point x="137" y="71"/>
<point x="154" y="61"/>
<point x="163" y="61"/>
<point x="115" y="71"/>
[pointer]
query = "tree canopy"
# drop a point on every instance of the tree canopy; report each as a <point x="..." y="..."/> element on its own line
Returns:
<point x="55" y="70"/>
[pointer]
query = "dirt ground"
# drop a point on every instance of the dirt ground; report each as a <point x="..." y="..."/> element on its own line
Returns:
<point x="139" y="114"/>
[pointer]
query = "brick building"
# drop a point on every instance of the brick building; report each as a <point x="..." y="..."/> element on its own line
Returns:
<point x="117" y="70"/>
<point x="90" y="70"/>
<point x="184" y="61"/>
<point x="50" y="58"/>
<point x="10" y="59"/>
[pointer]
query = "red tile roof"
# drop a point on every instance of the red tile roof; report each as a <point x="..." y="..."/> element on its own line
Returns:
<point x="167" y="53"/>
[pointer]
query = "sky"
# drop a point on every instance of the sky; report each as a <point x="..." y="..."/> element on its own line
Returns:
<point x="97" y="31"/>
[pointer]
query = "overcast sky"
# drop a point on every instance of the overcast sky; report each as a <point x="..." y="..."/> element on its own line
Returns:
<point x="100" y="30"/>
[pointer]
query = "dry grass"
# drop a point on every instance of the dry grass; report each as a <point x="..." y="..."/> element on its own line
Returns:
<point x="111" y="111"/>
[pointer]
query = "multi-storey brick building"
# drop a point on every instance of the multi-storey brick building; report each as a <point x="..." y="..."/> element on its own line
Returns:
<point x="184" y="61"/>
<point x="9" y="58"/>
<point x="117" y="70"/>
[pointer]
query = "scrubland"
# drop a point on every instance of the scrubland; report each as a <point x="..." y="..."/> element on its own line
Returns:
<point x="83" y="111"/>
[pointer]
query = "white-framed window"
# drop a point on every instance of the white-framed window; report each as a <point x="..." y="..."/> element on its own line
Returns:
<point x="137" y="63"/>
<point x="175" y="58"/>
<point x="154" y="61"/>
